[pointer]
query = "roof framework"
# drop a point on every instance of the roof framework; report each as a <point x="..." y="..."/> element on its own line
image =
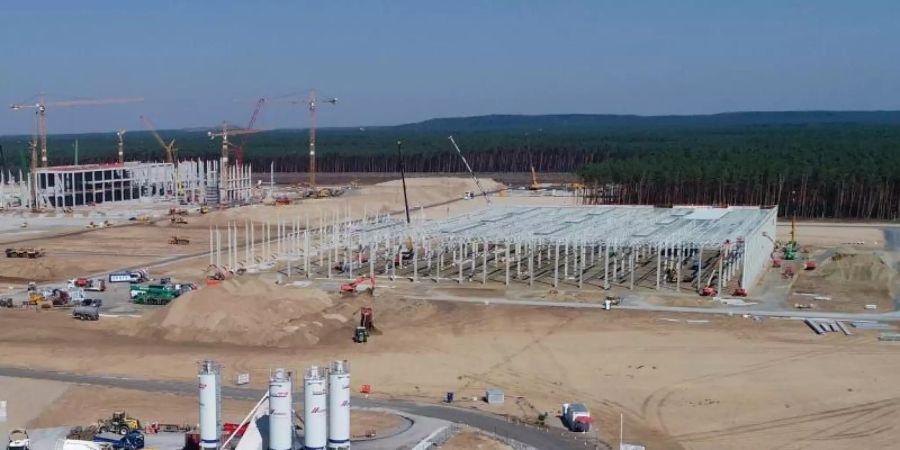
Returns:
<point x="591" y="225"/>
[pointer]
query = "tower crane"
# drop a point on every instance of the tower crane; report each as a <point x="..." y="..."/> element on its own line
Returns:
<point x="312" y="104"/>
<point x="223" y="162"/>
<point x="120" y="133"/>
<point x="40" y="111"/>
<point x="239" y="148"/>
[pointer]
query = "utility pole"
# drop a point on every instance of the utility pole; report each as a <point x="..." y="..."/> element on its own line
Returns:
<point x="402" y="178"/>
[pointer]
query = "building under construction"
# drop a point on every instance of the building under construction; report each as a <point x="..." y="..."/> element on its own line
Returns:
<point x="193" y="182"/>
<point x="680" y="248"/>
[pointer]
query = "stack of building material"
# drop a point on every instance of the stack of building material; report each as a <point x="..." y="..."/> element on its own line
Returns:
<point x="889" y="337"/>
<point x="871" y="325"/>
<point x="822" y="326"/>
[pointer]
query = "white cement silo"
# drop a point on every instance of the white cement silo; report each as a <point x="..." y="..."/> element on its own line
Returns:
<point x="315" y="409"/>
<point x="281" y="411"/>
<point x="210" y="398"/>
<point x="339" y="405"/>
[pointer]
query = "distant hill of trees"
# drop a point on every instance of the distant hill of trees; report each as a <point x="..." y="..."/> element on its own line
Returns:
<point x="814" y="163"/>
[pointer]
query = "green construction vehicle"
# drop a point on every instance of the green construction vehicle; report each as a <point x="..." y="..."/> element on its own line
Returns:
<point x="153" y="294"/>
<point x="791" y="248"/>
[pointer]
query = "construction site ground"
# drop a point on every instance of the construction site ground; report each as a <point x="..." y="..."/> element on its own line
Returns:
<point x="682" y="380"/>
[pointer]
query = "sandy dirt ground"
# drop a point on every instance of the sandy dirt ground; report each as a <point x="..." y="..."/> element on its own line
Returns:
<point x="847" y="282"/>
<point x="732" y="380"/>
<point x="833" y="234"/>
<point x="467" y="440"/>
<point x="25" y="401"/>
<point x="729" y="383"/>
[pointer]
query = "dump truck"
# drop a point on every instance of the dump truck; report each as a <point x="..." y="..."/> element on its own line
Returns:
<point x="89" y="309"/>
<point x="576" y="417"/>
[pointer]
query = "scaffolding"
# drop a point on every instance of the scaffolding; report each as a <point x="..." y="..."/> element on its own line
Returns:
<point x="677" y="248"/>
<point x="190" y="182"/>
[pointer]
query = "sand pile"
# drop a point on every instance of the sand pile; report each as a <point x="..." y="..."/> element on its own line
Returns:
<point x="248" y="311"/>
<point x="865" y="267"/>
<point x="48" y="268"/>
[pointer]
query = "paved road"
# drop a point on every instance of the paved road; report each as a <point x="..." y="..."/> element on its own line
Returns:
<point x="885" y="317"/>
<point x="554" y="439"/>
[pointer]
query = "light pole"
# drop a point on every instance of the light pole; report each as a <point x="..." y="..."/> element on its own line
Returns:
<point x="402" y="178"/>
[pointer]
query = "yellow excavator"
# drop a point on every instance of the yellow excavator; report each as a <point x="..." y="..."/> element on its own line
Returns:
<point x="171" y="152"/>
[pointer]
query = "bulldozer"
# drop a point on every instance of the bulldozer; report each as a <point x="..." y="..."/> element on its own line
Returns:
<point x="175" y="240"/>
<point x="366" y="325"/>
<point x="119" y="423"/>
<point x="178" y="220"/>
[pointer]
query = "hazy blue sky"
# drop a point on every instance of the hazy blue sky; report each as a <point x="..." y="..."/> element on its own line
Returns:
<point x="200" y="62"/>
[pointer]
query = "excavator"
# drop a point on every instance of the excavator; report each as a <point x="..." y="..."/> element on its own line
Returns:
<point x="361" y="284"/>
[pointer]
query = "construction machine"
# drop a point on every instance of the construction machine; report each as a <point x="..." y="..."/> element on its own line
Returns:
<point x="178" y="220"/>
<point x="119" y="423"/>
<point x="175" y="240"/>
<point x="534" y="181"/>
<point x="708" y="292"/>
<point x="791" y="248"/>
<point x="31" y="253"/>
<point x="366" y="325"/>
<point x="204" y="210"/>
<point x="361" y="284"/>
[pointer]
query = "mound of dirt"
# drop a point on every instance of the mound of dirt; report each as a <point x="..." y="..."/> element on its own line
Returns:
<point x="866" y="267"/>
<point x="248" y="311"/>
<point x="47" y="268"/>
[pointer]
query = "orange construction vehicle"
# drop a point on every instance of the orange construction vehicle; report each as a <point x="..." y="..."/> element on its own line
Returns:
<point x="360" y="284"/>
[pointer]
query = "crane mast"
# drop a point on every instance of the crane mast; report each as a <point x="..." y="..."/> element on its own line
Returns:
<point x="41" y="115"/>
<point x="239" y="149"/>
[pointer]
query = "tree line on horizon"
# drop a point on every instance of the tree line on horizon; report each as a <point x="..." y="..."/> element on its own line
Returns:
<point x="814" y="165"/>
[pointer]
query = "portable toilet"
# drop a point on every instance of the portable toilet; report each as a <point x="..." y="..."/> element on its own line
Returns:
<point x="494" y="396"/>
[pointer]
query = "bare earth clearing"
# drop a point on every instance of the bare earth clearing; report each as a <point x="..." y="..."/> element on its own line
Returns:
<point x="729" y="383"/>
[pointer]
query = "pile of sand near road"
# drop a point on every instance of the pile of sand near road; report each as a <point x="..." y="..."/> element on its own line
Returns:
<point x="247" y="311"/>
<point x="48" y="268"/>
<point x="866" y="267"/>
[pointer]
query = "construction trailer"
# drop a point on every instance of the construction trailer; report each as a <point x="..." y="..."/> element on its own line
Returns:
<point x="681" y="249"/>
<point x="190" y="181"/>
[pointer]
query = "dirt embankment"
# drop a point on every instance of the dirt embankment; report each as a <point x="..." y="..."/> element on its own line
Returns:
<point x="248" y="311"/>
<point x="848" y="282"/>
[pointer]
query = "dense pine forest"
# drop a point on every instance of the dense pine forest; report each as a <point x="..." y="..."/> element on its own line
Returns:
<point x="813" y="164"/>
